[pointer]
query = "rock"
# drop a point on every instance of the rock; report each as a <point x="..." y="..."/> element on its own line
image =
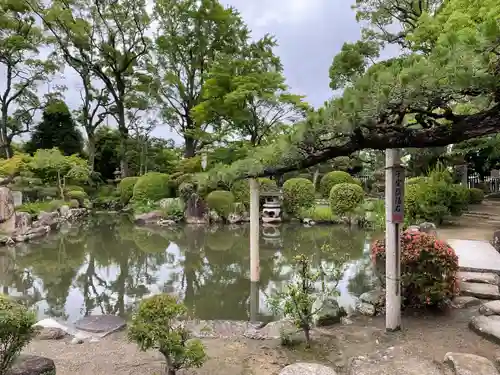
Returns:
<point x="461" y="302"/>
<point x="479" y="277"/>
<point x="234" y="218"/>
<point x="487" y="327"/>
<point x="346" y="321"/>
<point x="32" y="365"/>
<point x="496" y="240"/>
<point x="469" y="364"/>
<point x="37" y="232"/>
<point x="326" y="311"/>
<point x="479" y="290"/>
<point x="7" y="211"/>
<point x="76" y="341"/>
<point x="148" y="218"/>
<point x="272" y="330"/>
<point x="366" y="309"/>
<point x="490" y="308"/>
<point x="23" y="222"/>
<point x="166" y="223"/>
<point x="50" y="219"/>
<point x="100" y="323"/>
<point x="429" y="228"/>
<point x="392" y="362"/>
<point x="65" y="211"/>
<point x="413" y="228"/>
<point x="308" y="221"/>
<point x="302" y="368"/>
<point x="375" y="297"/>
<point x="50" y="333"/>
<point x="214" y="217"/>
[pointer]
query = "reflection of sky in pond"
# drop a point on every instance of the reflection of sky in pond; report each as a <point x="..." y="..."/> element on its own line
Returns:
<point x="217" y="283"/>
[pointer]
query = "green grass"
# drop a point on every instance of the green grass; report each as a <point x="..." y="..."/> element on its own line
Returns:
<point x="319" y="214"/>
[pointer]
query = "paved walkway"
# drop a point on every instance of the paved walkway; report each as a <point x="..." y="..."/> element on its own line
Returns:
<point x="476" y="256"/>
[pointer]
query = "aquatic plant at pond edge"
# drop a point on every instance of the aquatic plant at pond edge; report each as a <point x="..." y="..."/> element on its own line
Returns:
<point x="157" y="325"/>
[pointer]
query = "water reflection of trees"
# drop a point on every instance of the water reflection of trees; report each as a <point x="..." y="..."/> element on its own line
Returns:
<point x="113" y="265"/>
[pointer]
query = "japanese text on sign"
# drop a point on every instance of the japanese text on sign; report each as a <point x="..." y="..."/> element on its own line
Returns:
<point x="398" y="195"/>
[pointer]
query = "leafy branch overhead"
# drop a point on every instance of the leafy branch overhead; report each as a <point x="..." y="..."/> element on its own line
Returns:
<point x="444" y="88"/>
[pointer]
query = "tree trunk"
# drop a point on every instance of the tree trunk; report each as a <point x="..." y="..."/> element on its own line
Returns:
<point x="189" y="146"/>
<point x="5" y="150"/>
<point x="315" y="178"/>
<point x="122" y="128"/>
<point x="308" y="337"/>
<point x="91" y="140"/>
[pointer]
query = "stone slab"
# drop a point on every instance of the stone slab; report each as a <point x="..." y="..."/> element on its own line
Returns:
<point x="392" y="362"/>
<point x="461" y="302"/>
<point x="479" y="277"/>
<point x="32" y="365"/>
<point x="469" y="364"/>
<point x="476" y="256"/>
<point x="490" y="308"/>
<point x="100" y="323"/>
<point x="487" y="327"/>
<point x="479" y="290"/>
<point x="303" y="368"/>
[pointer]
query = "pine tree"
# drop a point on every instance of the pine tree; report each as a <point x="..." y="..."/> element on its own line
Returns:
<point x="57" y="129"/>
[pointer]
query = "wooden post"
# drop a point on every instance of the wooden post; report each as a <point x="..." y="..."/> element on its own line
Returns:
<point x="394" y="204"/>
<point x="254" y="230"/>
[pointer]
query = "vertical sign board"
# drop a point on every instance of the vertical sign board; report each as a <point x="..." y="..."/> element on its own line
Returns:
<point x="398" y="188"/>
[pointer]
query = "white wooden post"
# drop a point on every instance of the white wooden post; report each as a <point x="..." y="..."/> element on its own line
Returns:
<point x="254" y="230"/>
<point x="394" y="209"/>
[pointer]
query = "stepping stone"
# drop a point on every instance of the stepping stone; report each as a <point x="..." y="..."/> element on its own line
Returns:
<point x="100" y="323"/>
<point x="490" y="308"/>
<point x="479" y="277"/>
<point x="32" y="365"/>
<point x="461" y="302"/>
<point x="479" y="290"/>
<point x="469" y="364"/>
<point x="487" y="327"/>
<point x="476" y="256"/>
<point x="392" y="362"/>
<point x="303" y="368"/>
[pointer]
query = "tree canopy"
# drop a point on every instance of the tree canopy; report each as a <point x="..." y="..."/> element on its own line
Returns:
<point x="443" y="88"/>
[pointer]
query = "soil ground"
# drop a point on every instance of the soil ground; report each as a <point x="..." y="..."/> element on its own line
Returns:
<point x="426" y="336"/>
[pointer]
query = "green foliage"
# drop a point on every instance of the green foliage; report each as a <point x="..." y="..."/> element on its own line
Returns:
<point x="77" y="195"/>
<point x="298" y="194"/>
<point x="14" y="165"/>
<point x="57" y="130"/>
<point x="152" y="186"/>
<point x="34" y="208"/>
<point x="435" y="198"/>
<point x="319" y="214"/>
<point x="345" y="198"/>
<point x="55" y="204"/>
<point x="428" y="269"/>
<point x="50" y="192"/>
<point x="126" y="188"/>
<point x="16" y="331"/>
<point x="74" y="203"/>
<point x="156" y="325"/>
<point x="221" y="202"/>
<point x="331" y="179"/>
<point x="476" y="196"/>
<point x="173" y="208"/>
<point x="416" y="180"/>
<point x="241" y="189"/>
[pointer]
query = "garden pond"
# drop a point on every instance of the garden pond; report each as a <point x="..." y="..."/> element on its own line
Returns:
<point x="107" y="265"/>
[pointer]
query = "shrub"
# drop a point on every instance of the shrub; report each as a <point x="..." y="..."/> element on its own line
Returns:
<point x="78" y="195"/>
<point x="50" y="192"/>
<point x="173" y="208"/>
<point x="16" y="331"/>
<point x="156" y="326"/>
<point x="428" y="269"/>
<point x="416" y="180"/>
<point x="241" y="189"/>
<point x="221" y="202"/>
<point x="152" y="186"/>
<point x="34" y="208"/>
<point x="298" y="194"/>
<point x="69" y="188"/>
<point x="126" y="189"/>
<point x="331" y="179"/>
<point x="55" y="204"/>
<point x="73" y="203"/>
<point x="476" y="196"/>
<point x="319" y="214"/>
<point x="345" y="197"/>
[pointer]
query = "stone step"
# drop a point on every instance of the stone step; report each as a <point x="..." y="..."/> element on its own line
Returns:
<point x="490" y="308"/>
<point x="479" y="277"/>
<point x="487" y="327"/>
<point x="469" y="364"/>
<point x="479" y="290"/>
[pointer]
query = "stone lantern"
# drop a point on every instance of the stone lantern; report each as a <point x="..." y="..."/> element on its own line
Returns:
<point x="271" y="210"/>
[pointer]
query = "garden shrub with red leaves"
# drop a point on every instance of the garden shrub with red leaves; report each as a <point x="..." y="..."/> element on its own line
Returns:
<point x="428" y="269"/>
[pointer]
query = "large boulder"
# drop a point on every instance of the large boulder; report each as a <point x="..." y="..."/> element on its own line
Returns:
<point x="23" y="222"/>
<point x="50" y="219"/>
<point x="32" y="365"/>
<point x="7" y="211"/>
<point x="469" y="364"/>
<point x="302" y="368"/>
<point x="148" y="218"/>
<point x="50" y="333"/>
<point x="326" y="311"/>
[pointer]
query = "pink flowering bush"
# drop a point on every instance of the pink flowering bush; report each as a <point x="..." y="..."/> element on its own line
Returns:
<point x="428" y="269"/>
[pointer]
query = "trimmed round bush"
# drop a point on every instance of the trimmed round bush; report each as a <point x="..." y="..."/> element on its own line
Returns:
<point x="298" y="194"/>
<point x="56" y="204"/>
<point x="126" y="188"/>
<point x="241" y="189"/>
<point x="428" y="269"/>
<point x="152" y="186"/>
<point x="73" y="203"/>
<point x="345" y="197"/>
<point x="221" y="202"/>
<point x="476" y="195"/>
<point x="50" y="192"/>
<point x="331" y="179"/>
<point x="16" y="330"/>
<point x="78" y="195"/>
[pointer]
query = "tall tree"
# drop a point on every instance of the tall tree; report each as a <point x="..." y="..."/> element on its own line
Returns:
<point x="247" y="90"/>
<point x="22" y="70"/>
<point x="106" y="37"/>
<point x="191" y="35"/>
<point x="57" y="129"/>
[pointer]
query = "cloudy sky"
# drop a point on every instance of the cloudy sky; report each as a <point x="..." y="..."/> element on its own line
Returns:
<point x="309" y="33"/>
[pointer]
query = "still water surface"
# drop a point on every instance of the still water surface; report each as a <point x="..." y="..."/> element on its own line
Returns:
<point x="107" y="265"/>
